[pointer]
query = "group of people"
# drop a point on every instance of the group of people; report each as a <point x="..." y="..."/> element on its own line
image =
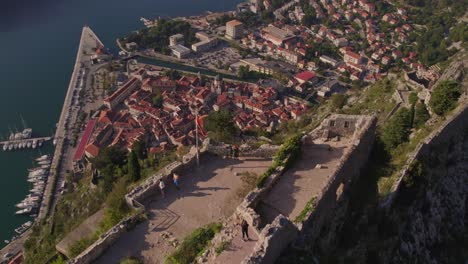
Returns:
<point x="175" y="180"/>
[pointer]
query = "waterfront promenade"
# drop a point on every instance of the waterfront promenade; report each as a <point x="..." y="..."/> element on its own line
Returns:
<point x="88" y="42"/>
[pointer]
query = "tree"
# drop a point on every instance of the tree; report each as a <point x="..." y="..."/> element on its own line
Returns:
<point x="221" y="125"/>
<point x="444" y="97"/>
<point x="338" y="101"/>
<point x="116" y="205"/>
<point x="140" y="149"/>
<point x="397" y="129"/>
<point x="421" y="115"/>
<point x="109" y="156"/>
<point x="133" y="167"/>
<point x="243" y="72"/>
<point x="158" y="100"/>
<point x="172" y="74"/>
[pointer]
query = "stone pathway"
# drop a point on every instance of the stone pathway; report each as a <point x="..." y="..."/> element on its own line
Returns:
<point x="206" y="196"/>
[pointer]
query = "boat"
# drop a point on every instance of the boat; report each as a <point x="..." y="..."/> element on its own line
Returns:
<point x="29" y="144"/>
<point x="34" y="179"/>
<point x="10" y="147"/>
<point x="31" y="199"/>
<point x="23" y="205"/>
<point x="23" y="227"/>
<point x="33" y="169"/>
<point x="45" y="166"/>
<point x="37" y="172"/>
<point x="24" y="211"/>
<point x="5" y="147"/>
<point x="43" y="157"/>
<point x="39" y="144"/>
<point x="34" y="144"/>
<point x="6" y="241"/>
<point x="44" y="162"/>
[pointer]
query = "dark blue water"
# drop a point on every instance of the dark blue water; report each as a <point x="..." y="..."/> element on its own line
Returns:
<point x="38" y="44"/>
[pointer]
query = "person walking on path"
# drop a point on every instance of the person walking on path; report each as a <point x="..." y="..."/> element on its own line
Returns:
<point x="245" y="230"/>
<point x="162" y="186"/>
<point x="176" y="180"/>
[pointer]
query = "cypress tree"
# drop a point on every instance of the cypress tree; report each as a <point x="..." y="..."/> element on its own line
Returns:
<point x="133" y="166"/>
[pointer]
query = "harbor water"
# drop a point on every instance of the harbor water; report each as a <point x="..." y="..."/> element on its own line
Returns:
<point x="38" y="44"/>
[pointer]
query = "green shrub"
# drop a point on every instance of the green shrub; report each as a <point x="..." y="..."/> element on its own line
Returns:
<point x="286" y="155"/>
<point x="444" y="97"/>
<point x="194" y="244"/>
<point x="131" y="260"/>
<point x="222" y="247"/>
<point x="397" y="130"/>
<point x="261" y="180"/>
<point x="310" y="206"/>
<point x="421" y="115"/>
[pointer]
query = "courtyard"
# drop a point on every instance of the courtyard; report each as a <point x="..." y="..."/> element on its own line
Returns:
<point x="209" y="193"/>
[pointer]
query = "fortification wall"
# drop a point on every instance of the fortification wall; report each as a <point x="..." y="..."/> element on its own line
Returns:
<point x="274" y="237"/>
<point x="332" y="201"/>
<point x="272" y="241"/>
<point x="106" y="240"/>
<point x="454" y="126"/>
<point x="134" y="199"/>
<point x="264" y="151"/>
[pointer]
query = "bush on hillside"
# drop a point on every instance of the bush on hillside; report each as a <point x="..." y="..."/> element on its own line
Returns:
<point x="444" y="97"/>
<point x="397" y="130"/>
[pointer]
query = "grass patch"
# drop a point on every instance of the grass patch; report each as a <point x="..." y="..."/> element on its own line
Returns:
<point x="223" y="246"/>
<point x="376" y="99"/>
<point x="310" y="206"/>
<point x="131" y="260"/>
<point x="194" y="244"/>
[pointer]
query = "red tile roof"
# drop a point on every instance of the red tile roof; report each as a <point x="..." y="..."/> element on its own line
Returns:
<point x="84" y="140"/>
<point x="305" y="76"/>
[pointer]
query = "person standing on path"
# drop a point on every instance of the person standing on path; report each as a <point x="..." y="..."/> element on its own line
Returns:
<point x="162" y="186"/>
<point x="176" y="180"/>
<point x="245" y="230"/>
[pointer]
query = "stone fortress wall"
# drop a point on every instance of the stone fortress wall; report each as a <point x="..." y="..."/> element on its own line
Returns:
<point x="333" y="199"/>
<point x="281" y="232"/>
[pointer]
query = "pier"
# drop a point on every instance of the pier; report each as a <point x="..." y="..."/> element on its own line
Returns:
<point x="23" y="143"/>
<point x="88" y="42"/>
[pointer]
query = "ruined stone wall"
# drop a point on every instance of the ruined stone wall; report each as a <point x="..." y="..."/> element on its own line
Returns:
<point x="332" y="201"/>
<point x="105" y="241"/>
<point x="276" y="236"/>
<point x="264" y="151"/>
<point x="272" y="241"/>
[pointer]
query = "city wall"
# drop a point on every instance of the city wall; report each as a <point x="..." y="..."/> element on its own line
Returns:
<point x="454" y="126"/>
<point x="106" y="240"/>
<point x="333" y="199"/>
